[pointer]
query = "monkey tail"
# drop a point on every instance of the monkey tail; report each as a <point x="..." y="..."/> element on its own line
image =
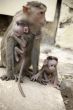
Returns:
<point x="19" y="86"/>
<point x="19" y="80"/>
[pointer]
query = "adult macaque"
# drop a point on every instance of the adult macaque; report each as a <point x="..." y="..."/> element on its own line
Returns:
<point x="48" y="72"/>
<point x="34" y="12"/>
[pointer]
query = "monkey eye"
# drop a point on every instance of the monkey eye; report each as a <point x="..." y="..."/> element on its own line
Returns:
<point x="18" y="23"/>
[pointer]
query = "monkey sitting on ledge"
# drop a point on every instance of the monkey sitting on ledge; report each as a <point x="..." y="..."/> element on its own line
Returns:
<point x="48" y="72"/>
<point x="34" y="12"/>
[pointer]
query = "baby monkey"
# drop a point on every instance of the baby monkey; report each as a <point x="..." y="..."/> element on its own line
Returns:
<point x="48" y="72"/>
<point x="23" y="48"/>
<point x="21" y="30"/>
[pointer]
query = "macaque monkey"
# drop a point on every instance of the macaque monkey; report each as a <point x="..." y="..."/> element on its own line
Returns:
<point x="48" y="72"/>
<point x="23" y="49"/>
<point x="34" y="12"/>
<point x="21" y="31"/>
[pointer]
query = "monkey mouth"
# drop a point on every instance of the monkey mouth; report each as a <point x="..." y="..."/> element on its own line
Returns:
<point x="26" y="30"/>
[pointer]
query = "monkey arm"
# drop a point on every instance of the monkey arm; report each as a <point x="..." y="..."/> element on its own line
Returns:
<point x="35" y="54"/>
<point x="55" y="78"/>
<point x="9" y="60"/>
<point x="18" y="51"/>
<point x="10" y="56"/>
<point x="56" y="82"/>
<point x="20" y="41"/>
<point x="36" y="76"/>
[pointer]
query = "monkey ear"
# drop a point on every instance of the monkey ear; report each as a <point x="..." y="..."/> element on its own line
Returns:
<point x="45" y="62"/>
<point x="26" y="9"/>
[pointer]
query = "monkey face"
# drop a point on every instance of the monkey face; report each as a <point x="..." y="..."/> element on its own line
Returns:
<point x="21" y="28"/>
<point x="52" y="64"/>
<point x="36" y="15"/>
<point x="39" y="16"/>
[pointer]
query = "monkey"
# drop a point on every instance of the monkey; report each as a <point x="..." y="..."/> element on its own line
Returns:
<point x="48" y="72"/>
<point x="34" y="12"/>
<point x="23" y="48"/>
<point x="25" y="58"/>
<point x="21" y="30"/>
<point x="24" y="39"/>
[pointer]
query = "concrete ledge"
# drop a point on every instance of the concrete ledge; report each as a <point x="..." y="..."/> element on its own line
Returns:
<point x="38" y="97"/>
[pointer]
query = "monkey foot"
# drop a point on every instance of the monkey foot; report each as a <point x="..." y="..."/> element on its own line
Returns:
<point x="7" y="77"/>
<point x="21" y="80"/>
<point x="57" y="87"/>
<point x="44" y="82"/>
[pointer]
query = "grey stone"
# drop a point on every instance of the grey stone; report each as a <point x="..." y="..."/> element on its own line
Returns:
<point x="38" y="97"/>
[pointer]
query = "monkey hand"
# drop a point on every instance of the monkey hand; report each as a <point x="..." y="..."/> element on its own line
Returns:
<point x="7" y="77"/>
<point x="34" y="77"/>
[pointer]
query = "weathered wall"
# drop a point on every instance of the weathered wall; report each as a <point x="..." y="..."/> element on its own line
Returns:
<point x="65" y="31"/>
<point x="9" y="7"/>
<point x="64" y="37"/>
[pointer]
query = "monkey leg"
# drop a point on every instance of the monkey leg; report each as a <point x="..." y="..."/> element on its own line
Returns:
<point x="3" y="58"/>
<point x="17" y="77"/>
<point x="35" y="55"/>
<point x="29" y="73"/>
<point x="17" y="52"/>
<point x="42" y="81"/>
<point x="9" y="60"/>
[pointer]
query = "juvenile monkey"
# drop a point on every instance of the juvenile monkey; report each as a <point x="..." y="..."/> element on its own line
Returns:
<point x="23" y="48"/>
<point x="48" y="72"/>
<point x="21" y="31"/>
<point x="25" y="58"/>
<point x="34" y="12"/>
